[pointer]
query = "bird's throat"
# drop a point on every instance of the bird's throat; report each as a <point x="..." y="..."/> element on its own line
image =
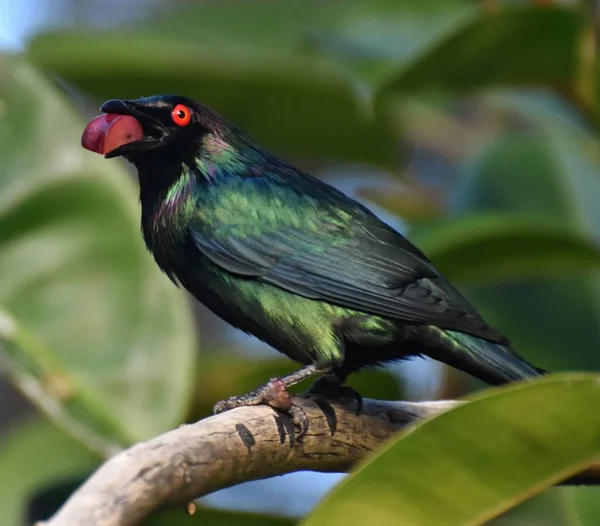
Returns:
<point x="178" y="202"/>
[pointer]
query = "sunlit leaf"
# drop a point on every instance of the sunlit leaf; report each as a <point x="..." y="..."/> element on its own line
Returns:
<point x="471" y="464"/>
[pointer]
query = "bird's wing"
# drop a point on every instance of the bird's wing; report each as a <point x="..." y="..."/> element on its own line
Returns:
<point x="360" y="265"/>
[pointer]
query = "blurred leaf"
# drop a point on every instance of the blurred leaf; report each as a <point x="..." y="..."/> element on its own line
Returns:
<point x="93" y="332"/>
<point x="527" y="45"/>
<point x="554" y="507"/>
<point x="551" y="174"/>
<point x="213" y="517"/>
<point x="40" y="467"/>
<point x="374" y="38"/>
<point x="260" y="23"/>
<point x="374" y="27"/>
<point x="489" y="247"/>
<point x="472" y="463"/>
<point x="410" y="202"/>
<point x="586" y="505"/>
<point x="35" y="454"/>
<point x="47" y="499"/>
<point x="226" y="375"/>
<point x="292" y="104"/>
<point x="534" y="106"/>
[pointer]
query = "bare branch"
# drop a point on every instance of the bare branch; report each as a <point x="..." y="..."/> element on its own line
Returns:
<point x="244" y="444"/>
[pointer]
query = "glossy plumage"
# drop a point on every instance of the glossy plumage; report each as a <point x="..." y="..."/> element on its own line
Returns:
<point x="291" y="260"/>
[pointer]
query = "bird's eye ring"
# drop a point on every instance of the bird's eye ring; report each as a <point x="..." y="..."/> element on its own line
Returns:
<point x="181" y="115"/>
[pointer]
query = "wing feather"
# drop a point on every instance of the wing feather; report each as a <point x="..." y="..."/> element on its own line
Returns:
<point x="370" y="273"/>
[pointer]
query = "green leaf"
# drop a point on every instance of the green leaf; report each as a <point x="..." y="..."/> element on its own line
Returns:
<point x="551" y="174"/>
<point x="35" y="454"/>
<point x="526" y="45"/>
<point x="376" y="38"/>
<point x="471" y="464"/>
<point x="410" y="201"/>
<point x="585" y="506"/>
<point x="554" y="507"/>
<point x="94" y="334"/>
<point x="280" y="25"/>
<point x="293" y="104"/>
<point x="491" y="247"/>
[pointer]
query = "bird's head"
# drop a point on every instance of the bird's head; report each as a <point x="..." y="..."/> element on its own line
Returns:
<point x="168" y="126"/>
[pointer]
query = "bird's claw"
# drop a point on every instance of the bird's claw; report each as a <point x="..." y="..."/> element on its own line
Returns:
<point x="324" y="386"/>
<point x="274" y="394"/>
<point x="300" y="420"/>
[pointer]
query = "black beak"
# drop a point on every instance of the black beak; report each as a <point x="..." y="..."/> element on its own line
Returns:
<point x="128" y="107"/>
<point x="115" y="106"/>
<point x="153" y="128"/>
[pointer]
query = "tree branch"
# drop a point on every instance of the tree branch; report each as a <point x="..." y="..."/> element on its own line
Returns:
<point x="237" y="446"/>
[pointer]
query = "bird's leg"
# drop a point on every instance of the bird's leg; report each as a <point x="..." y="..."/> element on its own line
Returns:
<point x="275" y="394"/>
<point x="331" y="384"/>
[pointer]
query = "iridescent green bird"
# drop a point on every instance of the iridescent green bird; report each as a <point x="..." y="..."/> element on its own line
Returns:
<point x="286" y="257"/>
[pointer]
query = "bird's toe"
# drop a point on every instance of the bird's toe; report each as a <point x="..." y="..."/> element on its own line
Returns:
<point x="325" y="388"/>
<point x="300" y="420"/>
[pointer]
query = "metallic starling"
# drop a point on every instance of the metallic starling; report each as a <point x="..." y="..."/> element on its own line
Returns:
<point x="287" y="258"/>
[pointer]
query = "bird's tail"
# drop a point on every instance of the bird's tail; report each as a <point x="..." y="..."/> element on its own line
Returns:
<point x="491" y="362"/>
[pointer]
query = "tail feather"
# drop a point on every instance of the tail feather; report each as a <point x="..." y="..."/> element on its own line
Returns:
<point x="491" y="362"/>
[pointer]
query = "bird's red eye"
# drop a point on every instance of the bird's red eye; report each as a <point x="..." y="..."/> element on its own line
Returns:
<point x="181" y="115"/>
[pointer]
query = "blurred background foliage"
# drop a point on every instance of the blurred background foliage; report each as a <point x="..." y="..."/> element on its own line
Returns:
<point x="470" y="125"/>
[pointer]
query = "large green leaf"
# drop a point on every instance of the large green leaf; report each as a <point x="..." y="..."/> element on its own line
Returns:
<point x="471" y="464"/>
<point x="554" y="507"/>
<point x="93" y="332"/>
<point x="492" y="247"/>
<point x="35" y="454"/>
<point x="258" y="24"/>
<point x="527" y="45"/>
<point x="294" y="104"/>
<point x="368" y="27"/>
<point x="586" y="507"/>
<point x="551" y="174"/>
<point x="374" y="39"/>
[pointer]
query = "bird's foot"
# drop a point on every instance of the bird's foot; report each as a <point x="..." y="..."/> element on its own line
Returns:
<point x="276" y="395"/>
<point x="331" y="386"/>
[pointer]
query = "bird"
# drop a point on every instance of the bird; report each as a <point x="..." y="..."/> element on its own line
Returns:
<point x="287" y="258"/>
